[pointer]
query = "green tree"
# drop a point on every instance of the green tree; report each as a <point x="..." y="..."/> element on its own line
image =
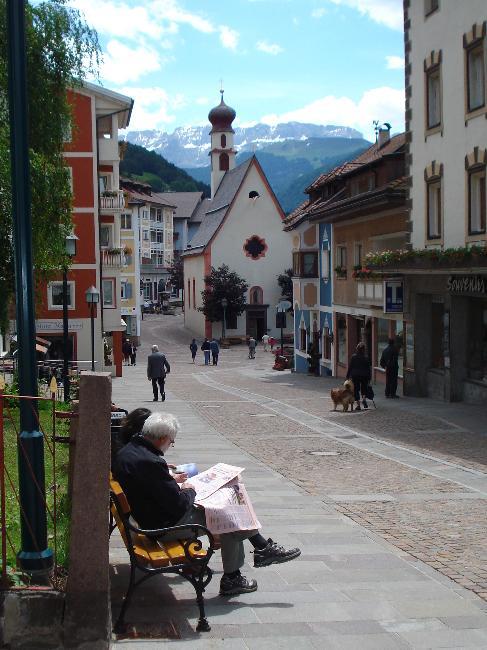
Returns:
<point x="223" y="283"/>
<point x="284" y="280"/>
<point x="177" y="273"/>
<point x="61" y="51"/>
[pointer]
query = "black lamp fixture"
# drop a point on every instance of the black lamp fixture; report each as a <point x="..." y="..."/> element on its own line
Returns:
<point x="92" y="298"/>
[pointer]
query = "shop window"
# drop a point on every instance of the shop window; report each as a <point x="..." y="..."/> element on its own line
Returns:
<point x="433" y="97"/>
<point x="327" y="344"/>
<point x="108" y="293"/>
<point x="126" y="221"/>
<point x="55" y="295"/>
<point x="476" y="201"/>
<point x="224" y="162"/>
<point x="477" y="340"/>
<point x="382" y="335"/>
<point x="475" y="58"/>
<point x="437" y="326"/>
<point x="434" y="209"/>
<point x="342" y="341"/>
<point x="399" y="342"/>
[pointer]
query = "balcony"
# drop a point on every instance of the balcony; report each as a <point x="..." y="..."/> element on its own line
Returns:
<point x="112" y="201"/>
<point x="370" y="292"/>
<point x="113" y="258"/>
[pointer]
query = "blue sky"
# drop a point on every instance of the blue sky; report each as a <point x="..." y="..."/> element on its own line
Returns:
<point x="319" y="61"/>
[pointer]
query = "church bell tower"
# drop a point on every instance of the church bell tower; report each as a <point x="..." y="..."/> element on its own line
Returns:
<point x="222" y="152"/>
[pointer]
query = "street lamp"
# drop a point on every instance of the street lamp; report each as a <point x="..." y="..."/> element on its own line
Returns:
<point x="92" y="298"/>
<point x="70" y="249"/>
<point x="282" y="308"/>
<point x="224" y="303"/>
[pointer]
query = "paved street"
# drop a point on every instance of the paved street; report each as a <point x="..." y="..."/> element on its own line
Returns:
<point x="388" y="507"/>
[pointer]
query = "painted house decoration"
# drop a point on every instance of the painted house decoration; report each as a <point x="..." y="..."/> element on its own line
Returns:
<point x="241" y="225"/>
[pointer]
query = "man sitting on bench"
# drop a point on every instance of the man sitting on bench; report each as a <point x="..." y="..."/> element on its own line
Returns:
<point x="157" y="501"/>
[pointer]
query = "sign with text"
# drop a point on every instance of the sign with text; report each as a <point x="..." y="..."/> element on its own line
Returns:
<point x="55" y="325"/>
<point x="467" y="284"/>
<point x="393" y="296"/>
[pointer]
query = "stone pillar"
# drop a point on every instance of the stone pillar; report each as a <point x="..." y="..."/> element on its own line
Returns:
<point x="87" y="621"/>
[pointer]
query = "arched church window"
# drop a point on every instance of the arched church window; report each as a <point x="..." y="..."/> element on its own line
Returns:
<point x="224" y="162"/>
<point x="223" y="140"/>
<point x="256" y="296"/>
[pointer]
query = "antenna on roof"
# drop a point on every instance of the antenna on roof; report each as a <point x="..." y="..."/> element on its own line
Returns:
<point x="376" y="129"/>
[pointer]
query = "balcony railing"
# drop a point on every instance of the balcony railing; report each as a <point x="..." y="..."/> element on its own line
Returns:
<point x="113" y="258"/>
<point x="112" y="200"/>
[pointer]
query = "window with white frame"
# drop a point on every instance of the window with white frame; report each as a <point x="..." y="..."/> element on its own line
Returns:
<point x="476" y="200"/>
<point x="159" y="215"/>
<point x="126" y="290"/>
<point x="105" y="236"/>
<point x="145" y="214"/>
<point x="159" y="236"/>
<point x="325" y="264"/>
<point x="357" y="254"/>
<point x="126" y="221"/>
<point x="104" y="182"/>
<point x="55" y="295"/>
<point x="341" y="260"/>
<point x="108" y="292"/>
<point x="476" y="76"/>
<point x="145" y="235"/>
<point x="433" y="97"/>
<point x="434" y="209"/>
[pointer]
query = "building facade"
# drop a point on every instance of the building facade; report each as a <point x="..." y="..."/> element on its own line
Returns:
<point x="446" y="288"/>
<point x="240" y="226"/>
<point x="92" y="157"/>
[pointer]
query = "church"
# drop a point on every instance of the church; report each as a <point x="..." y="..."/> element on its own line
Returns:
<point x="241" y="225"/>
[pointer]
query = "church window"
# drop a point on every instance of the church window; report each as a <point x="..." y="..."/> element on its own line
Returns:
<point x="223" y="140"/>
<point x="224" y="162"/>
<point x="253" y="194"/>
<point x="255" y="247"/>
<point x="256" y="296"/>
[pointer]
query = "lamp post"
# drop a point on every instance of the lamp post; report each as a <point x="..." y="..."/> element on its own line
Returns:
<point x="224" y="303"/>
<point x="70" y="252"/>
<point x="92" y="298"/>
<point x="282" y="308"/>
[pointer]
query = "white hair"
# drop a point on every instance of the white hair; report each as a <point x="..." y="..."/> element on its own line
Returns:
<point x="155" y="348"/>
<point x="161" y="425"/>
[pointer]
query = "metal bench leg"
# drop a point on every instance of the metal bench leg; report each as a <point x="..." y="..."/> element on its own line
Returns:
<point x="120" y="624"/>
<point x="203" y="625"/>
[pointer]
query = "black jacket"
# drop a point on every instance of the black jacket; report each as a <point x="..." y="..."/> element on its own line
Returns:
<point x="389" y="358"/>
<point x="205" y="346"/>
<point x="157" y="365"/>
<point x="155" y="499"/>
<point x="360" y="366"/>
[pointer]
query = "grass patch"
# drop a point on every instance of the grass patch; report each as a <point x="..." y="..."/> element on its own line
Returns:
<point x="56" y="479"/>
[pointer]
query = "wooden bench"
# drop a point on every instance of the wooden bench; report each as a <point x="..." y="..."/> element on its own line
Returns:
<point x="186" y="556"/>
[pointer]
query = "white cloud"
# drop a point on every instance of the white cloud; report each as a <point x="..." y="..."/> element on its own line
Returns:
<point x="394" y="62"/>
<point x="152" y="107"/>
<point x="202" y="101"/>
<point x="384" y="12"/>
<point x="130" y="21"/>
<point x="269" y="48"/>
<point x="122" y="63"/>
<point x="318" y="13"/>
<point x="228" y="37"/>
<point x="384" y="104"/>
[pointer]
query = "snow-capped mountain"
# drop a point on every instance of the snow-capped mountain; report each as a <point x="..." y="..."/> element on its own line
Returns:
<point x="188" y="147"/>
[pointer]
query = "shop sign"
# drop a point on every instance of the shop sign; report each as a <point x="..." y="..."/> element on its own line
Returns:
<point x="55" y="325"/>
<point x="467" y="284"/>
<point x="393" y="297"/>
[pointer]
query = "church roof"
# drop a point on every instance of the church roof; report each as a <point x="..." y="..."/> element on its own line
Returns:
<point x="212" y="212"/>
<point x="221" y="117"/>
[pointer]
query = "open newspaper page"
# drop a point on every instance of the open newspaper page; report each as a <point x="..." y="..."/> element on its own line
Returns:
<point x="211" y="480"/>
<point x="229" y="509"/>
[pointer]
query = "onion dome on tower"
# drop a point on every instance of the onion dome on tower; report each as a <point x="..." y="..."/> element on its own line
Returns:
<point x="221" y="117"/>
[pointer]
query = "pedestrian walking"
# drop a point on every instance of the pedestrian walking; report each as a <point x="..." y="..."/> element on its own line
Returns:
<point x="272" y="342"/>
<point x="360" y="372"/>
<point x="193" y="346"/>
<point x="206" y="351"/>
<point x="389" y="360"/>
<point x="133" y="354"/>
<point x="126" y="350"/>
<point x="265" y="342"/>
<point x="252" y="345"/>
<point x="215" y="351"/>
<point x="157" y="366"/>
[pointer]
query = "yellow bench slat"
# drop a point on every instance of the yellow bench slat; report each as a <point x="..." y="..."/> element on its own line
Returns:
<point x="176" y="552"/>
<point x="150" y="551"/>
<point x="116" y="488"/>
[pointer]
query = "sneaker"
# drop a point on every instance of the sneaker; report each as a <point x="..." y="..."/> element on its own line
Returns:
<point x="365" y="405"/>
<point x="237" y="585"/>
<point x="274" y="554"/>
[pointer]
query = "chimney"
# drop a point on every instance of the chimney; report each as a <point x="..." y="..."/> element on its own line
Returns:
<point x="384" y="134"/>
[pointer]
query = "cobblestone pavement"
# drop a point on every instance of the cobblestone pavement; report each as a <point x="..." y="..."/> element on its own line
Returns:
<point x="413" y="472"/>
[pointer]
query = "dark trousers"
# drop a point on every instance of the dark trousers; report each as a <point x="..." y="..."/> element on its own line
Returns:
<point x="155" y="382"/>
<point x="391" y="381"/>
<point x="215" y="359"/>
<point x="359" y="386"/>
<point x="133" y="359"/>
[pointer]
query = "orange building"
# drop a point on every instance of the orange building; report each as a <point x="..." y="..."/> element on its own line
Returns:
<point x="92" y="156"/>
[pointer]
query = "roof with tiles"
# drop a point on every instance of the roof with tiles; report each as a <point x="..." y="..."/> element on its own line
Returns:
<point x="185" y="202"/>
<point x="212" y="212"/>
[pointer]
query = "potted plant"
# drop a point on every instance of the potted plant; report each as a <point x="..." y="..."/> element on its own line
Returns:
<point x="341" y="272"/>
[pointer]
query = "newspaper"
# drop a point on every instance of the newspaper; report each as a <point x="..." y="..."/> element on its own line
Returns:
<point x="211" y="480"/>
<point x="229" y="509"/>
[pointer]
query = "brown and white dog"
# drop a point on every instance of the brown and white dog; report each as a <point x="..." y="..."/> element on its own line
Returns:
<point x="343" y="395"/>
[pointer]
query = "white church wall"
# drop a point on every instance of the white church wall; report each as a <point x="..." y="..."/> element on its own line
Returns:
<point x="194" y="270"/>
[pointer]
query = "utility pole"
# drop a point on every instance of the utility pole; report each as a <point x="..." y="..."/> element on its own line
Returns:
<point x="34" y="556"/>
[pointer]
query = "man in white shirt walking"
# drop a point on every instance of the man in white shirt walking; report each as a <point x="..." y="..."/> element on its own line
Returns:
<point x="265" y="341"/>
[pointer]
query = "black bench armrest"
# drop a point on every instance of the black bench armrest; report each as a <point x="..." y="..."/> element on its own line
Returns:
<point x="184" y="528"/>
